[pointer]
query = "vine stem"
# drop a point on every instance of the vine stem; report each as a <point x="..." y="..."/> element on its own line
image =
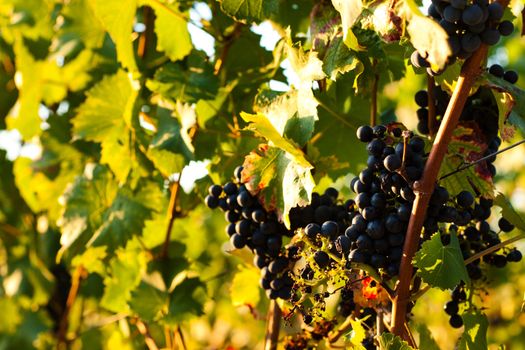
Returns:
<point x="373" y="102"/>
<point x="148" y="339"/>
<point x="78" y="274"/>
<point x="146" y="38"/>
<point x="172" y="213"/>
<point x="494" y="248"/>
<point x="343" y="328"/>
<point x="423" y="188"/>
<point x="273" y="326"/>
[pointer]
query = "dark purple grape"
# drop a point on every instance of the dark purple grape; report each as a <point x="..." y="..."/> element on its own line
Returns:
<point x="472" y="15"/>
<point x="421" y="98"/>
<point x="511" y="76"/>
<point x="212" y="202"/>
<point x="505" y="225"/>
<point x="514" y="256"/>
<point x="375" y="229"/>
<point x="392" y="162"/>
<point x="496" y="70"/>
<point x="329" y="229"/>
<point x="459" y="4"/>
<point x="495" y="11"/>
<point x="451" y="14"/>
<point x="237" y="241"/>
<point x="452" y="307"/>
<point x="465" y="199"/>
<point x="455" y="321"/>
<point x="506" y="28"/>
<point x="490" y="36"/>
<point x="230" y="188"/>
<point x="470" y="42"/>
<point x="365" y="133"/>
<point x="321" y="259"/>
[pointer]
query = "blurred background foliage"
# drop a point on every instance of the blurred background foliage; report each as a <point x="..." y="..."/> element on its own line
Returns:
<point x="103" y="103"/>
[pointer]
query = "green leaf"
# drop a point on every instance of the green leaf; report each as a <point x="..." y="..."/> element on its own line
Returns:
<point x="117" y="16"/>
<point x="339" y="59"/>
<point x="148" y="302"/>
<point x="475" y="334"/>
<point x="122" y="221"/>
<point x="467" y="145"/>
<point x="393" y="342"/>
<point x="426" y="341"/>
<point x="427" y="36"/>
<point x="108" y="121"/>
<point x="441" y="266"/>
<point x="280" y="183"/>
<point x="245" y="288"/>
<point x="250" y="10"/>
<point x="508" y="212"/>
<point x="170" y="149"/>
<point x="84" y="202"/>
<point x="171" y="27"/>
<point x="189" y="82"/>
<point x="186" y="300"/>
<point x="123" y="277"/>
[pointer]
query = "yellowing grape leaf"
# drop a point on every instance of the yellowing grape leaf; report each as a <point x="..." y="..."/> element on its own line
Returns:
<point x="427" y="36"/>
<point x="245" y="288"/>
<point x="171" y="27"/>
<point x="277" y="179"/>
<point x="117" y="16"/>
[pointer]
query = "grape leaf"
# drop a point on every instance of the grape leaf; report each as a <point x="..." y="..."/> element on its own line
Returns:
<point x="108" y="121"/>
<point x="250" y="10"/>
<point x="89" y="196"/>
<point x="245" y="287"/>
<point x="81" y="24"/>
<point x="466" y="146"/>
<point x="350" y="12"/>
<point x="511" y="103"/>
<point x="264" y="126"/>
<point x="427" y="36"/>
<point x="475" y="334"/>
<point x="189" y="82"/>
<point x="280" y="183"/>
<point x="117" y="17"/>
<point x="357" y="334"/>
<point x="169" y="150"/>
<point x="35" y="82"/>
<point x="148" y="302"/>
<point x="186" y="299"/>
<point x="441" y="266"/>
<point x="393" y="342"/>
<point x="123" y="220"/>
<point x="426" y="341"/>
<point x="125" y="269"/>
<point x="171" y="28"/>
<point x="508" y="212"/>
<point x="92" y="260"/>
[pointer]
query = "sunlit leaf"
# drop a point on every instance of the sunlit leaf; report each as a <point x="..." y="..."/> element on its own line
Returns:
<point x="245" y="288"/>
<point x="441" y="266"/>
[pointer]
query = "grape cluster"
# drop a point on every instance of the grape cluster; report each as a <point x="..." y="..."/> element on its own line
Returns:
<point x="384" y="196"/>
<point x="252" y="226"/>
<point x="468" y="25"/>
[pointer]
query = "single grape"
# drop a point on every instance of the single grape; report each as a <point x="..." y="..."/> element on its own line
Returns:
<point x="511" y="76"/>
<point x="505" y="225"/>
<point x="496" y="70"/>
<point x="312" y="230"/>
<point x="343" y="244"/>
<point x="379" y="130"/>
<point x="321" y="259"/>
<point x="237" y="241"/>
<point x="421" y="98"/>
<point x="329" y="229"/>
<point x="365" y="133"/>
<point x="472" y="15"/>
<point x="215" y="190"/>
<point x="455" y="321"/>
<point x="506" y="28"/>
<point x="212" y="202"/>
<point x="470" y="42"/>
<point x="375" y="229"/>
<point x="495" y="11"/>
<point x="451" y="14"/>
<point x="490" y="36"/>
<point x="465" y="199"/>
<point x="375" y="147"/>
<point x="514" y="256"/>
<point x="230" y="188"/>
<point x="356" y="256"/>
<point x="452" y="307"/>
<point x="362" y="200"/>
<point x="418" y="61"/>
